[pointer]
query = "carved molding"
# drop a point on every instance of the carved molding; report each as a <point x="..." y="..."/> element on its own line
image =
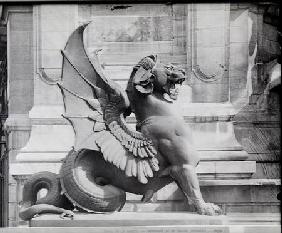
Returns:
<point x="197" y="68"/>
<point x="199" y="74"/>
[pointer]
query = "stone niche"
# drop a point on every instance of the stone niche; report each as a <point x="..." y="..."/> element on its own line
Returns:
<point x="210" y="41"/>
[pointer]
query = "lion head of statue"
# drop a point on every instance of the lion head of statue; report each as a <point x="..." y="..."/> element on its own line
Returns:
<point x="152" y="77"/>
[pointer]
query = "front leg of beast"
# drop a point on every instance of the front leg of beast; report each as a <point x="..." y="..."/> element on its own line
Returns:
<point x="186" y="179"/>
<point x="174" y="142"/>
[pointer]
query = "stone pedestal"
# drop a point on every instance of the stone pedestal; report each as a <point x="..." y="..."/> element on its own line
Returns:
<point x="159" y="222"/>
<point x="120" y="219"/>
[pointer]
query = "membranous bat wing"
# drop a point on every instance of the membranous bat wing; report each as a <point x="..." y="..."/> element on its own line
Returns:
<point x="95" y="107"/>
<point x="77" y="75"/>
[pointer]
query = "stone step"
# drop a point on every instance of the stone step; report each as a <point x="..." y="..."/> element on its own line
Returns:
<point x="223" y="190"/>
<point x="242" y="195"/>
<point x="176" y="206"/>
<point x="254" y="218"/>
<point x="223" y="155"/>
<point x="205" y="169"/>
<point x="206" y="154"/>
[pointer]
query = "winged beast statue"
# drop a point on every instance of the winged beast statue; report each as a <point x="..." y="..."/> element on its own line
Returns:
<point x="109" y="158"/>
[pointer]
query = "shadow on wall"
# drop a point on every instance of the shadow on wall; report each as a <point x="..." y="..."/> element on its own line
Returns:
<point x="257" y="124"/>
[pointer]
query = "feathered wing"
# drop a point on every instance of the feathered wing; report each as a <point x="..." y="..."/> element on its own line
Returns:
<point x="95" y="106"/>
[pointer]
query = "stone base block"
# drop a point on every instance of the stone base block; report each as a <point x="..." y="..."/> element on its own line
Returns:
<point x="119" y="219"/>
<point x="158" y="222"/>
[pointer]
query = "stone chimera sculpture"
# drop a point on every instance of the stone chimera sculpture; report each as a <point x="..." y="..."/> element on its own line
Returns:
<point x="109" y="157"/>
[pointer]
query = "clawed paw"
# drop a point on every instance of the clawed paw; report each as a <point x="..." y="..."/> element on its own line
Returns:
<point x="209" y="209"/>
<point x="148" y="196"/>
<point x="67" y="214"/>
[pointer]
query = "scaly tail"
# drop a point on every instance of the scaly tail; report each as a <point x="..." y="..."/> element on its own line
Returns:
<point x="53" y="202"/>
<point x="80" y="177"/>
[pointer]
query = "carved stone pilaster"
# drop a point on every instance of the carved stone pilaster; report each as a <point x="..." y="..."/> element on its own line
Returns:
<point x="51" y="136"/>
<point x="210" y="115"/>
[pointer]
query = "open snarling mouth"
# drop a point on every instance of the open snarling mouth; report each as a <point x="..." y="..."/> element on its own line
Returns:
<point x="173" y="91"/>
<point x="172" y="88"/>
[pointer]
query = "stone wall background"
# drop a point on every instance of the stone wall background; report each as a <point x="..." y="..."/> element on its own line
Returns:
<point x="37" y="33"/>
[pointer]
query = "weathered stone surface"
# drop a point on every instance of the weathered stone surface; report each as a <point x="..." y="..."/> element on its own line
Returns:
<point x="18" y="139"/>
<point x="44" y="138"/>
<point x="254" y="219"/>
<point x="12" y="191"/>
<point x="20" y="168"/>
<point x="26" y="104"/>
<point x="239" y="35"/>
<point x="239" y="56"/>
<point x="21" y="21"/>
<point x="20" y="57"/>
<point x="53" y="40"/>
<point x="268" y="170"/>
<point x="12" y="210"/>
